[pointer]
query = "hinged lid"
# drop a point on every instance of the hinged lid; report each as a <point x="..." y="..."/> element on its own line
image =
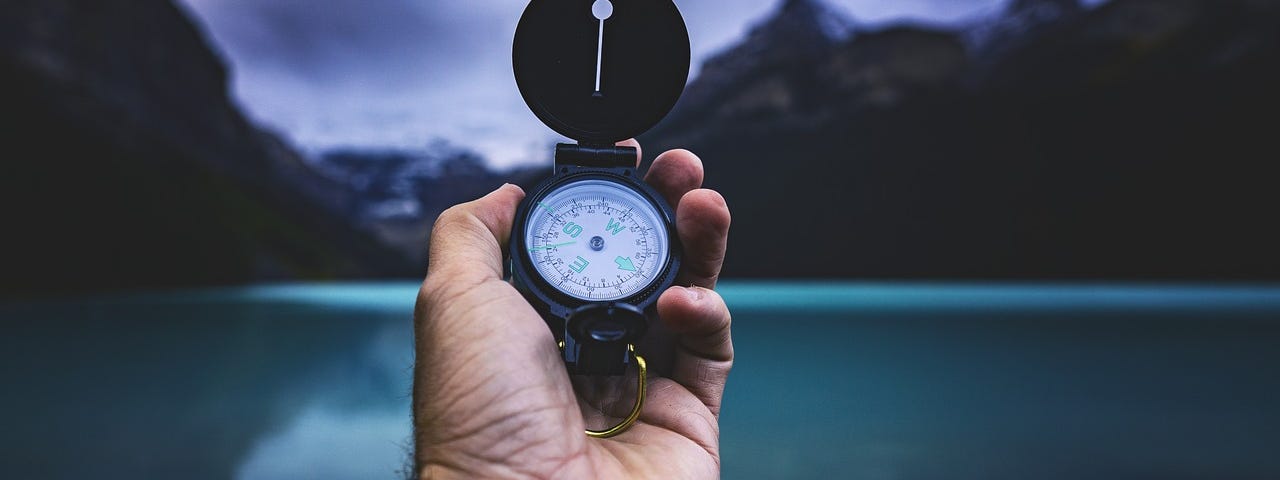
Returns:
<point x="601" y="81"/>
<point x="595" y="156"/>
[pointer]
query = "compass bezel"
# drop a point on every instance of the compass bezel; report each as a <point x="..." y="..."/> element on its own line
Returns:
<point x="554" y="303"/>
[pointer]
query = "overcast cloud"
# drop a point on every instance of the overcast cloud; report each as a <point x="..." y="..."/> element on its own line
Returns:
<point x="399" y="73"/>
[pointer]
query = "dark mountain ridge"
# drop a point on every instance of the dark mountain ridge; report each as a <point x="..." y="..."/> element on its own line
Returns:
<point x="1021" y="22"/>
<point x="1127" y="141"/>
<point x="1132" y="140"/>
<point x="128" y="166"/>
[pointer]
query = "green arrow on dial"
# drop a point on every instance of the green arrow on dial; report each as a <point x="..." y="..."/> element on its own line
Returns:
<point x="549" y="247"/>
<point x="624" y="263"/>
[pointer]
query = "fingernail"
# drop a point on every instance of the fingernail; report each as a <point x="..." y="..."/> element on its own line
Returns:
<point x="506" y="186"/>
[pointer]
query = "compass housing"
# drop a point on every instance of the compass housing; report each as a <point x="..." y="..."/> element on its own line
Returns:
<point x="560" y="309"/>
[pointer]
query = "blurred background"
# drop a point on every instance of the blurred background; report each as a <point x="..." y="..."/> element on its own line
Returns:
<point x="973" y="238"/>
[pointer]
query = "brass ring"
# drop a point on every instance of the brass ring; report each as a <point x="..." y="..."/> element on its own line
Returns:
<point x="635" y="411"/>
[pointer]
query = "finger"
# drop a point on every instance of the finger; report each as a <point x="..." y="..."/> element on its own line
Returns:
<point x="704" y="354"/>
<point x="675" y="173"/>
<point x="633" y="143"/>
<point x="468" y="239"/>
<point x="702" y="218"/>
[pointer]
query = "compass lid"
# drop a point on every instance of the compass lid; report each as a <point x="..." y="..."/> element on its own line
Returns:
<point x="601" y="81"/>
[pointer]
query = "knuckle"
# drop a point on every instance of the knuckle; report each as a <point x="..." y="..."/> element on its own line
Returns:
<point x="453" y="216"/>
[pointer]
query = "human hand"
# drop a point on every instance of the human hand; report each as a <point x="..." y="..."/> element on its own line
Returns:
<point x="492" y="397"/>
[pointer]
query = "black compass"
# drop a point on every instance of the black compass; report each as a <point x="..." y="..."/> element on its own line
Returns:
<point x="594" y="246"/>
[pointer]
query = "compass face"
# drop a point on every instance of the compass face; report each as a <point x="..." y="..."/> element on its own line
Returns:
<point x="597" y="240"/>
<point x="601" y="71"/>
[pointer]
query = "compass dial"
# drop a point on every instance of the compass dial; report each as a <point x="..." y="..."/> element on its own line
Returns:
<point x="597" y="240"/>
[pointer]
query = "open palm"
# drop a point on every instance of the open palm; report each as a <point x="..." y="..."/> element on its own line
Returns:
<point x="491" y="395"/>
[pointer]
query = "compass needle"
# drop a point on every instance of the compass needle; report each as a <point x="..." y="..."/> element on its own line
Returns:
<point x="550" y="247"/>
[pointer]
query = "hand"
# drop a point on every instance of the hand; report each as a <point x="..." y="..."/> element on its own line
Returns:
<point x="492" y="397"/>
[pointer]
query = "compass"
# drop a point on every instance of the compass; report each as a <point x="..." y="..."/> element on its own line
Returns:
<point x="593" y="246"/>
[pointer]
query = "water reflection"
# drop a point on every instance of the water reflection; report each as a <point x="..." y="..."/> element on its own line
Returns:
<point x="253" y="383"/>
<point x="356" y="411"/>
<point x="861" y="381"/>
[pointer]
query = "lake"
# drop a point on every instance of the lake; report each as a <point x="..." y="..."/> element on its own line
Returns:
<point x="832" y="380"/>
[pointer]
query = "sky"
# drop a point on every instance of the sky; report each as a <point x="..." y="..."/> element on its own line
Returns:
<point x="400" y="74"/>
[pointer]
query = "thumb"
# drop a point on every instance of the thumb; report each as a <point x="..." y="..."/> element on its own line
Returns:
<point x="468" y="239"/>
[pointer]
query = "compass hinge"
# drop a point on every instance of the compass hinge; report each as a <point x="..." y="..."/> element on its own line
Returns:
<point x="607" y="156"/>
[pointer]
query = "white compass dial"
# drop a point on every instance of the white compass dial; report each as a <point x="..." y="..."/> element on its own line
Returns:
<point x="596" y="240"/>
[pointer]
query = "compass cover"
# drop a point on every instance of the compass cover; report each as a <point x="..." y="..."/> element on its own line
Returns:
<point x="601" y="81"/>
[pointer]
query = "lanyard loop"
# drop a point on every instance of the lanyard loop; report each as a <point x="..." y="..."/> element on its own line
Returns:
<point x="641" y="387"/>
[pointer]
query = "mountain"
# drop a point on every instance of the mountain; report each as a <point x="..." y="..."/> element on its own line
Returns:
<point x="1130" y="141"/>
<point x="1021" y="22"/>
<point x="802" y="32"/>
<point x="127" y="166"/>
<point x="397" y="194"/>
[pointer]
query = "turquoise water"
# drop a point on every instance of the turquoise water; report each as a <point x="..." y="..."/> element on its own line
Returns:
<point x="832" y="380"/>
